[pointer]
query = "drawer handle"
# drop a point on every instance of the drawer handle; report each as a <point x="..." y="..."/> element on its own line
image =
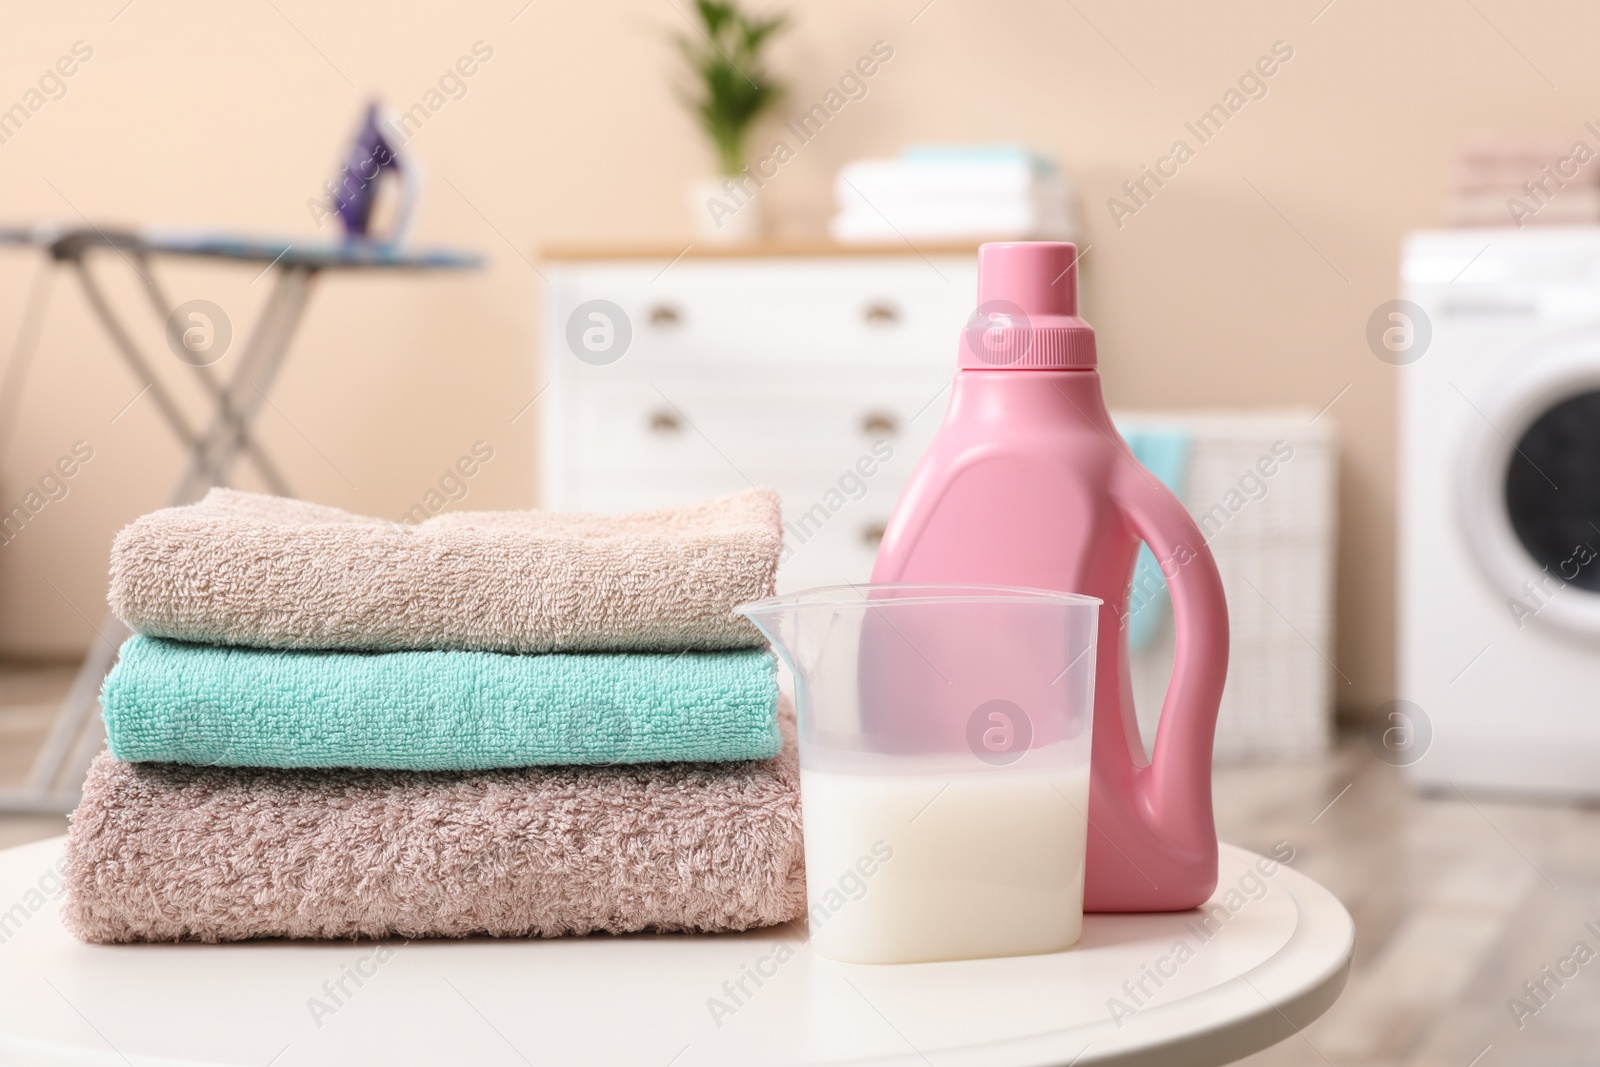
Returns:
<point x="879" y="424"/>
<point x="872" y="534"/>
<point x="881" y="314"/>
<point x="665" y="315"/>
<point x="665" y="422"/>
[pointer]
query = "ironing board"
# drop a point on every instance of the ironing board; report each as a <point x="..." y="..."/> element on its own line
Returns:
<point x="1275" y="964"/>
<point x="76" y="734"/>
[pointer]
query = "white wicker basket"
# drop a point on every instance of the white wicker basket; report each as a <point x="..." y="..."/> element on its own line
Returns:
<point x="1273" y="536"/>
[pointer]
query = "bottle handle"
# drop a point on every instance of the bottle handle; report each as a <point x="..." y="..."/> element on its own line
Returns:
<point x="1177" y="786"/>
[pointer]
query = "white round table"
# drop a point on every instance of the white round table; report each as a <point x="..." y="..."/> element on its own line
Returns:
<point x="1175" y="989"/>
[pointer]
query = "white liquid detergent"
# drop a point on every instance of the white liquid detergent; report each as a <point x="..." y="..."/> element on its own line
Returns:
<point x="918" y="867"/>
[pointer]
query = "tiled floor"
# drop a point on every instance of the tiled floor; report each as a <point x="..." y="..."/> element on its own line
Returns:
<point x="1457" y="902"/>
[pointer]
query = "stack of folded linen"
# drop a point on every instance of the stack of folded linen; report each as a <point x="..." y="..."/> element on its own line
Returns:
<point x="511" y="723"/>
<point x="1520" y="178"/>
<point x="953" y="193"/>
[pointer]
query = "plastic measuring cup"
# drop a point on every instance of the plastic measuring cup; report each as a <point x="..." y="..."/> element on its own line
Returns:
<point x="944" y="764"/>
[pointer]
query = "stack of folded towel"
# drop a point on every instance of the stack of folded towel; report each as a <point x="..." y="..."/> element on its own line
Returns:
<point x="1512" y="178"/>
<point x="953" y="193"/>
<point x="513" y="723"/>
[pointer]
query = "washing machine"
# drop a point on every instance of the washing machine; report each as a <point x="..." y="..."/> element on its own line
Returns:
<point x="1498" y="359"/>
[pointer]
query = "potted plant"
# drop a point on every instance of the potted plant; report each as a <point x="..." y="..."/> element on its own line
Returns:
<point x="730" y="88"/>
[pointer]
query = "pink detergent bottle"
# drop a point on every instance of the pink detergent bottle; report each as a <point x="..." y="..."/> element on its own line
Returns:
<point x="1029" y="484"/>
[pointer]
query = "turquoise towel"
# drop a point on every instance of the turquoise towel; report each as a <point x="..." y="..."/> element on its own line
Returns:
<point x="1164" y="452"/>
<point x="170" y="701"/>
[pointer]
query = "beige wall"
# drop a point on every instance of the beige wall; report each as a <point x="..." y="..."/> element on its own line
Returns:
<point x="1247" y="279"/>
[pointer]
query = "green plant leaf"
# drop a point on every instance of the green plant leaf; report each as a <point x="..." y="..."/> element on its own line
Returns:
<point x="731" y="87"/>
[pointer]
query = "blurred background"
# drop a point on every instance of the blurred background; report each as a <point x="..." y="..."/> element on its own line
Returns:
<point x="1245" y="279"/>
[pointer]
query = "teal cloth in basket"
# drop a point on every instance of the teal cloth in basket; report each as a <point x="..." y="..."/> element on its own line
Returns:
<point x="1164" y="452"/>
<point x="171" y="701"/>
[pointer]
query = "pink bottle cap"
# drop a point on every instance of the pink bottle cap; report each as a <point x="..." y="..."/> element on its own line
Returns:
<point x="1027" y="317"/>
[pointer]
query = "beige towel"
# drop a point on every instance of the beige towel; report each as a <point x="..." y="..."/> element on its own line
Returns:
<point x="164" y="852"/>
<point x="247" y="569"/>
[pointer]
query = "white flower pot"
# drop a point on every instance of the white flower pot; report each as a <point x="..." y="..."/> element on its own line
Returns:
<point x="726" y="211"/>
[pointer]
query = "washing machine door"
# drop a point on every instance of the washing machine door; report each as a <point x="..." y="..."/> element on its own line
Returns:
<point x="1530" y="484"/>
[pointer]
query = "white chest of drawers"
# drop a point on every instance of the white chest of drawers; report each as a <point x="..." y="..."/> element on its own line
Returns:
<point x="821" y="373"/>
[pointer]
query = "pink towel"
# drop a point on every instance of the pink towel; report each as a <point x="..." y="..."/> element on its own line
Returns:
<point x="164" y="852"/>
